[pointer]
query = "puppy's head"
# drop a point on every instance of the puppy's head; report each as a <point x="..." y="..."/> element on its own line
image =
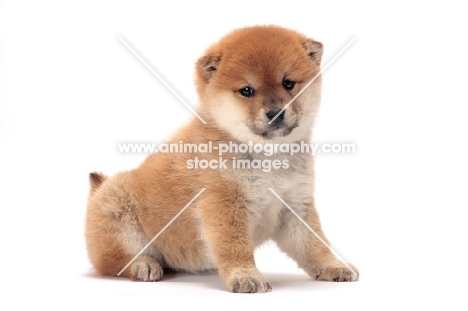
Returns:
<point x="247" y="80"/>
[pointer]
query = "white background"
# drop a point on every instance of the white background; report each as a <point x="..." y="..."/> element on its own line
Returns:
<point x="70" y="91"/>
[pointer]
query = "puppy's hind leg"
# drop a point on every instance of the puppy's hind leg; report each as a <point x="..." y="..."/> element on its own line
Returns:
<point x="114" y="235"/>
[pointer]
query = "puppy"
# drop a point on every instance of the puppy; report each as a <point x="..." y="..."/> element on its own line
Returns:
<point x="244" y="82"/>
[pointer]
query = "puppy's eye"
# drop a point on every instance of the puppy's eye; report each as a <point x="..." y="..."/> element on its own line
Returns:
<point x="247" y="91"/>
<point x="288" y="84"/>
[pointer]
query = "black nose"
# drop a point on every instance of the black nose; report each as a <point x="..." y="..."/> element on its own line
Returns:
<point x="272" y="113"/>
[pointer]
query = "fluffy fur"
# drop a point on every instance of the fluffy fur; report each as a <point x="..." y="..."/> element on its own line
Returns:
<point x="236" y="212"/>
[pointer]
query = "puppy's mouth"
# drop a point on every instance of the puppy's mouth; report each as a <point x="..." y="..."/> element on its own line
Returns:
<point x="273" y="130"/>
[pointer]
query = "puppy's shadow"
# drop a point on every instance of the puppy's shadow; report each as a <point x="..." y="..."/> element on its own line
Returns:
<point x="169" y="276"/>
<point x="288" y="281"/>
<point x="209" y="280"/>
<point x="277" y="280"/>
<point x="212" y="281"/>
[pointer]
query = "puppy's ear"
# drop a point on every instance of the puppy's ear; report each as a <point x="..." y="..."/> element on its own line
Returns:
<point x="96" y="179"/>
<point x="314" y="49"/>
<point x="208" y="65"/>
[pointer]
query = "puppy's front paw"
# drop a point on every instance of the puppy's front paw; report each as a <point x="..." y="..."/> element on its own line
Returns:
<point x="338" y="273"/>
<point x="146" y="269"/>
<point x="247" y="280"/>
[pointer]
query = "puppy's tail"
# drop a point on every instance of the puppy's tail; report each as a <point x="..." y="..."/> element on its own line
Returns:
<point x="96" y="179"/>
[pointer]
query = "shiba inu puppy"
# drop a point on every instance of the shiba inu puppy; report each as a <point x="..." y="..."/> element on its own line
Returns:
<point x="245" y="83"/>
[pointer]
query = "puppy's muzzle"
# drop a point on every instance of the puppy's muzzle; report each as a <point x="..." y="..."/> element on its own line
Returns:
<point x="272" y="114"/>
